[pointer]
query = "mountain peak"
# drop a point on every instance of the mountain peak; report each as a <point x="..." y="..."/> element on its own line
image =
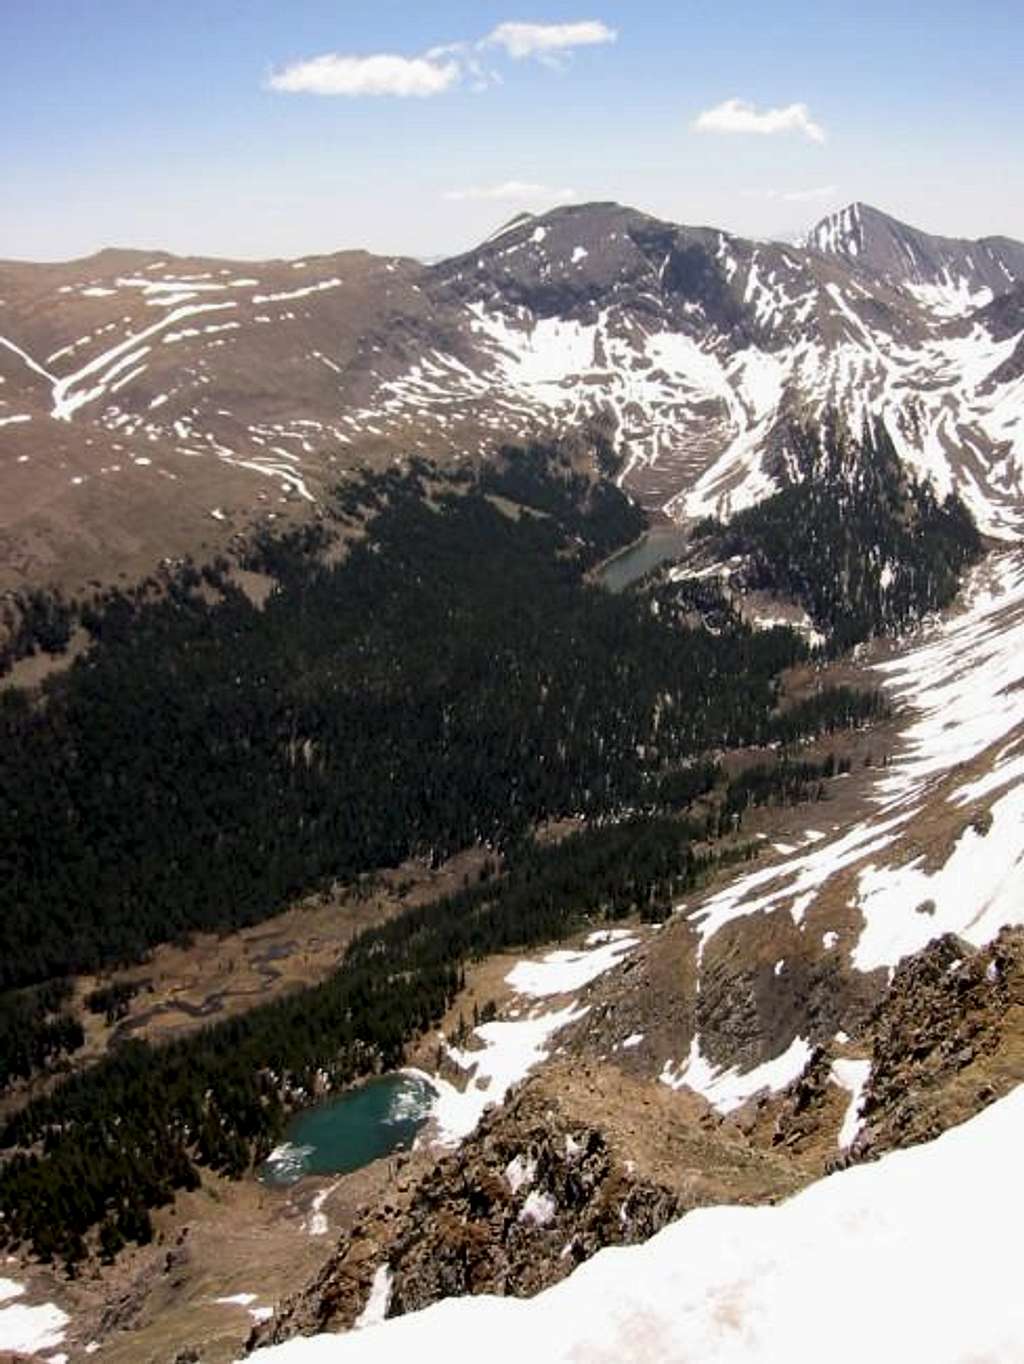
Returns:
<point x="842" y="232"/>
<point x="867" y="240"/>
<point x="517" y="220"/>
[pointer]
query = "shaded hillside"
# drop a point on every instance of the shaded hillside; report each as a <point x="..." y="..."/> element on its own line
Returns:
<point x="451" y="681"/>
<point x="865" y="546"/>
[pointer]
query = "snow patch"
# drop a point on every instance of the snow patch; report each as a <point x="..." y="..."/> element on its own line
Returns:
<point x="376" y="1307"/>
<point x="304" y="292"/>
<point x="28" y="1329"/>
<point x="563" y="972"/>
<point x="729" y="1089"/>
<point x="509" y="1051"/>
<point x="519" y="1173"/>
<point x="853" y="1076"/>
<point x="539" y="1209"/>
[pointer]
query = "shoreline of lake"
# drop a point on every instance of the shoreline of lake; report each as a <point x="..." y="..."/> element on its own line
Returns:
<point x="661" y="542"/>
<point x="345" y="1132"/>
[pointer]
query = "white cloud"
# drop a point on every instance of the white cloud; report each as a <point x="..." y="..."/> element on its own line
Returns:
<point x="533" y="40"/>
<point x="740" y="116"/>
<point x="512" y="190"/>
<point x="382" y="74"/>
<point x="439" y="68"/>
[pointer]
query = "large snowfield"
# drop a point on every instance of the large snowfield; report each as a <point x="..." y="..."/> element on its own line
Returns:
<point x="910" y="1258"/>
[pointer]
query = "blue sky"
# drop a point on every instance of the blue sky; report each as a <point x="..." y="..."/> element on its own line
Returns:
<point x="258" y="127"/>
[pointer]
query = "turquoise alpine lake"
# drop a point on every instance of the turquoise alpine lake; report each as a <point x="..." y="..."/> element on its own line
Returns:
<point x="656" y="547"/>
<point x="351" y="1130"/>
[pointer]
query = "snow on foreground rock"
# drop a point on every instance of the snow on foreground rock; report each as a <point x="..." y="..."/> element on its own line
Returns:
<point x="908" y="1258"/>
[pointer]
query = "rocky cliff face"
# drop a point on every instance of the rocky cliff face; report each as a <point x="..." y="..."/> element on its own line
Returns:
<point x="947" y="1039"/>
<point x="536" y="1190"/>
<point x="520" y="1204"/>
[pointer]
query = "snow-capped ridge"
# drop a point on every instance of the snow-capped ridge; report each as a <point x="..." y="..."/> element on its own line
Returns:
<point x="518" y="220"/>
<point x="956" y="274"/>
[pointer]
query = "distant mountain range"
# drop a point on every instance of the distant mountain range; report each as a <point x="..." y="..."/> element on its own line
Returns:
<point x="152" y="405"/>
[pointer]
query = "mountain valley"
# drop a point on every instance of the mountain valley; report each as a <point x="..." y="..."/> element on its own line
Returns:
<point x="153" y="406"/>
<point x="328" y="752"/>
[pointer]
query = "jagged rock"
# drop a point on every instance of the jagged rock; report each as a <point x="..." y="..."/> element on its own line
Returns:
<point x="539" y="1188"/>
<point x="947" y="1040"/>
<point x="528" y="1197"/>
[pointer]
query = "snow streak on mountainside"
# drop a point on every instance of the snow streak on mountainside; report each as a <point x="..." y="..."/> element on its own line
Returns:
<point x="897" y="1259"/>
<point x="695" y="346"/>
<point x="131" y="383"/>
<point x="952" y="277"/>
<point x="963" y="684"/>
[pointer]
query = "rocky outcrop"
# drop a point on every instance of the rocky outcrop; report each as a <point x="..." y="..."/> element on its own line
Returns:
<point x="948" y="1039"/>
<point x="945" y="1040"/>
<point x="544" y="1182"/>
<point x="764" y="981"/>
<point x="530" y="1196"/>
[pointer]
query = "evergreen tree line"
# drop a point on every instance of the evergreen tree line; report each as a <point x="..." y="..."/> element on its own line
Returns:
<point x="451" y="681"/>
<point x="541" y="477"/>
<point x="119" y="1139"/>
<point x="34" y="620"/>
<point x="863" y="544"/>
<point x="831" y="709"/>
<point x="36" y="1030"/>
<point x="787" y="782"/>
<point x="113" y="1000"/>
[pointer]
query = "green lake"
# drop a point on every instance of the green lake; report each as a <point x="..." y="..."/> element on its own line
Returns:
<point x="347" y="1132"/>
<point x="656" y="547"/>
